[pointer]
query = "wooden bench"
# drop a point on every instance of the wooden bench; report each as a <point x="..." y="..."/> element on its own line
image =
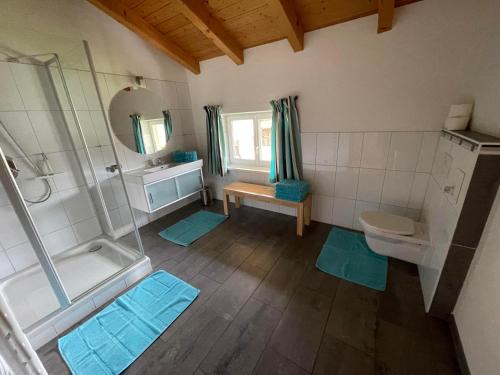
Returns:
<point x="266" y="194"/>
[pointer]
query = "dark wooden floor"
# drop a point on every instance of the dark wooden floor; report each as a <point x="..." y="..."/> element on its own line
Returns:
<point x="265" y="309"/>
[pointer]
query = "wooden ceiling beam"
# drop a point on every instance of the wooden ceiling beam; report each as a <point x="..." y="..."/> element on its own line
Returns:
<point x="385" y="15"/>
<point x="196" y="12"/>
<point x="132" y="20"/>
<point x="291" y="21"/>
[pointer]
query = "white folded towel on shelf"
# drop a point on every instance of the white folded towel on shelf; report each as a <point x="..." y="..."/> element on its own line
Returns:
<point x="458" y="117"/>
<point x="456" y="123"/>
<point x="460" y="110"/>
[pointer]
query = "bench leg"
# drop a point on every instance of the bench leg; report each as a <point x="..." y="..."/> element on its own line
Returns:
<point x="307" y="210"/>
<point x="226" y="204"/>
<point x="300" y="219"/>
<point x="237" y="202"/>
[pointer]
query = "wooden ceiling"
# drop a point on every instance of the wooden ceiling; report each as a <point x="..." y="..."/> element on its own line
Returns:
<point x="193" y="30"/>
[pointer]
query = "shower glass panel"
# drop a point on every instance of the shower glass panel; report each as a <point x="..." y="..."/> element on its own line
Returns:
<point x="40" y="292"/>
<point x="60" y="146"/>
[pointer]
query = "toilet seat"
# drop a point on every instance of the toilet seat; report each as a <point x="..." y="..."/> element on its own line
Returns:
<point x="395" y="236"/>
<point x="388" y="223"/>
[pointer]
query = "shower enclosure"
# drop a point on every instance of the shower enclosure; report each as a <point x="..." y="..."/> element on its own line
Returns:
<point x="66" y="210"/>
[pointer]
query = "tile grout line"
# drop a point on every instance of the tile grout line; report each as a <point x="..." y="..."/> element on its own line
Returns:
<point x="326" y="324"/>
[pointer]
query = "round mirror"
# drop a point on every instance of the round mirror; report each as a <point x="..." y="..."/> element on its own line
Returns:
<point x="140" y="121"/>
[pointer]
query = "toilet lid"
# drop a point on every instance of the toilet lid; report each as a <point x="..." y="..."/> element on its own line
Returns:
<point x="388" y="223"/>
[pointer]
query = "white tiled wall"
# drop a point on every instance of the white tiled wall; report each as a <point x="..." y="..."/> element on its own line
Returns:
<point x="30" y="110"/>
<point x="355" y="172"/>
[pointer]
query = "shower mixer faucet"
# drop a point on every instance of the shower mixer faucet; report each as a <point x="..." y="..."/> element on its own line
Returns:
<point x="112" y="168"/>
<point x="12" y="166"/>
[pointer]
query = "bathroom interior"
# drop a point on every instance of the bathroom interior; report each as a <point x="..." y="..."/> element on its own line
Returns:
<point x="249" y="187"/>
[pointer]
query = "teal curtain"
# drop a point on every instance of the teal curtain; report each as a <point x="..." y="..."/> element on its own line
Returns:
<point x="286" y="151"/>
<point x="167" y="120"/>
<point x="216" y="144"/>
<point x="136" y="127"/>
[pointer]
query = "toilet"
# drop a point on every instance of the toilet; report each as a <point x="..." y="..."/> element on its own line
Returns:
<point x="395" y="236"/>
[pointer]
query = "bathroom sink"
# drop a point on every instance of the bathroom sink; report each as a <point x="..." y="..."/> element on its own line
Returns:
<point x="157" y="168"/>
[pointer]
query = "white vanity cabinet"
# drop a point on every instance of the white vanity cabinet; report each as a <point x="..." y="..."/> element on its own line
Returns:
<point x="154" y="188"/>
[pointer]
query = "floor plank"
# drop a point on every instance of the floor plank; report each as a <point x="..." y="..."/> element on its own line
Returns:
<point x="185" y="349"/>
<point x="336" y="358"/>
<point x="266" y="253"/>
<point x="298" y="335"/>
<point x="224" y="265"/>
<point x="281" y="282"/>
<point x="353" y="319"/>
<point x="402" y="352"/>
<point x="237" y="289"/>
<point x="196" y="261"/>
<point x="207" y="289"/>
<point x="274" y="363"/>
<point x="239" y="349"/>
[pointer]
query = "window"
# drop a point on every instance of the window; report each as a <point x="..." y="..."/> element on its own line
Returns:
<point x="153" y="135"/>
<point x="249" y="138"/>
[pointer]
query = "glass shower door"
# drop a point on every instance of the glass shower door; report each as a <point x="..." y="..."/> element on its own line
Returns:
<point x="68" y="209"/>
<point x="37" y="292"/>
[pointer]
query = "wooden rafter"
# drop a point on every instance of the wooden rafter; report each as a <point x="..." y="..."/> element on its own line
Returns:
<point x="385" y="15"/>
<point x="129" y="18"/>
<point x="291" y="22"/>
<point x="198" y="14"/>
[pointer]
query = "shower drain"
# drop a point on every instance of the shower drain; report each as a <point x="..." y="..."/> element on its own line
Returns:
<point x="95" y="248"/>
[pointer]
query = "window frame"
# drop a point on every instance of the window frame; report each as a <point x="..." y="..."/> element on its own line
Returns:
<point x="256" y="116"/>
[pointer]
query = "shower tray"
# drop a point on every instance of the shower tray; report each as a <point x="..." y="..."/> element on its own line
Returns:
<point x="93" y="273"/>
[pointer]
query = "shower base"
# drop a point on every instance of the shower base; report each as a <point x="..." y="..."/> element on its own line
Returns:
<point x="92" y="274"/>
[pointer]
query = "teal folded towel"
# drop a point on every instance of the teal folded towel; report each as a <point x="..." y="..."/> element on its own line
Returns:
<point x="292" y="190"/>
<point x="291" y="196"/>
<point x="112" y="339"/>
<point x="292" y="186"/>
<point x="184" y="156"/>
<point x="345" y="254"/>
<point x="188" y="230"/>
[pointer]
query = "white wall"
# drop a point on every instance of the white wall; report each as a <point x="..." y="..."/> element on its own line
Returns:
<point x="362" y="96"/>
<point x="34" y="27"/>
<point x="349" y="78"/>
<point x="29" y="109"/>
<point x="484" y="82"/>
<point x="476" y="312"/>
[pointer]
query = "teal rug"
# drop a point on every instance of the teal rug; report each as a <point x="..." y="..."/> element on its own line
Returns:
<point x="345" y="254"/>
<point x="193" y="227"/>
<point x="112" y="339"/>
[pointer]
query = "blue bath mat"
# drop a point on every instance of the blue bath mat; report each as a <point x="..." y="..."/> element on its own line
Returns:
<point x="193" y="227"/>
<point x="112" y="339"/>
<point x="345" y="254"/>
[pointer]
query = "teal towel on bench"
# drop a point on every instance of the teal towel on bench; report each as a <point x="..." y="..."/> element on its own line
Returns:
<point x="112" y="339"/>
<point x="188" y="230"/>
<point x="296" y="197"/>
<point x="292" y="190"/>
<point x="345" y="254"/>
